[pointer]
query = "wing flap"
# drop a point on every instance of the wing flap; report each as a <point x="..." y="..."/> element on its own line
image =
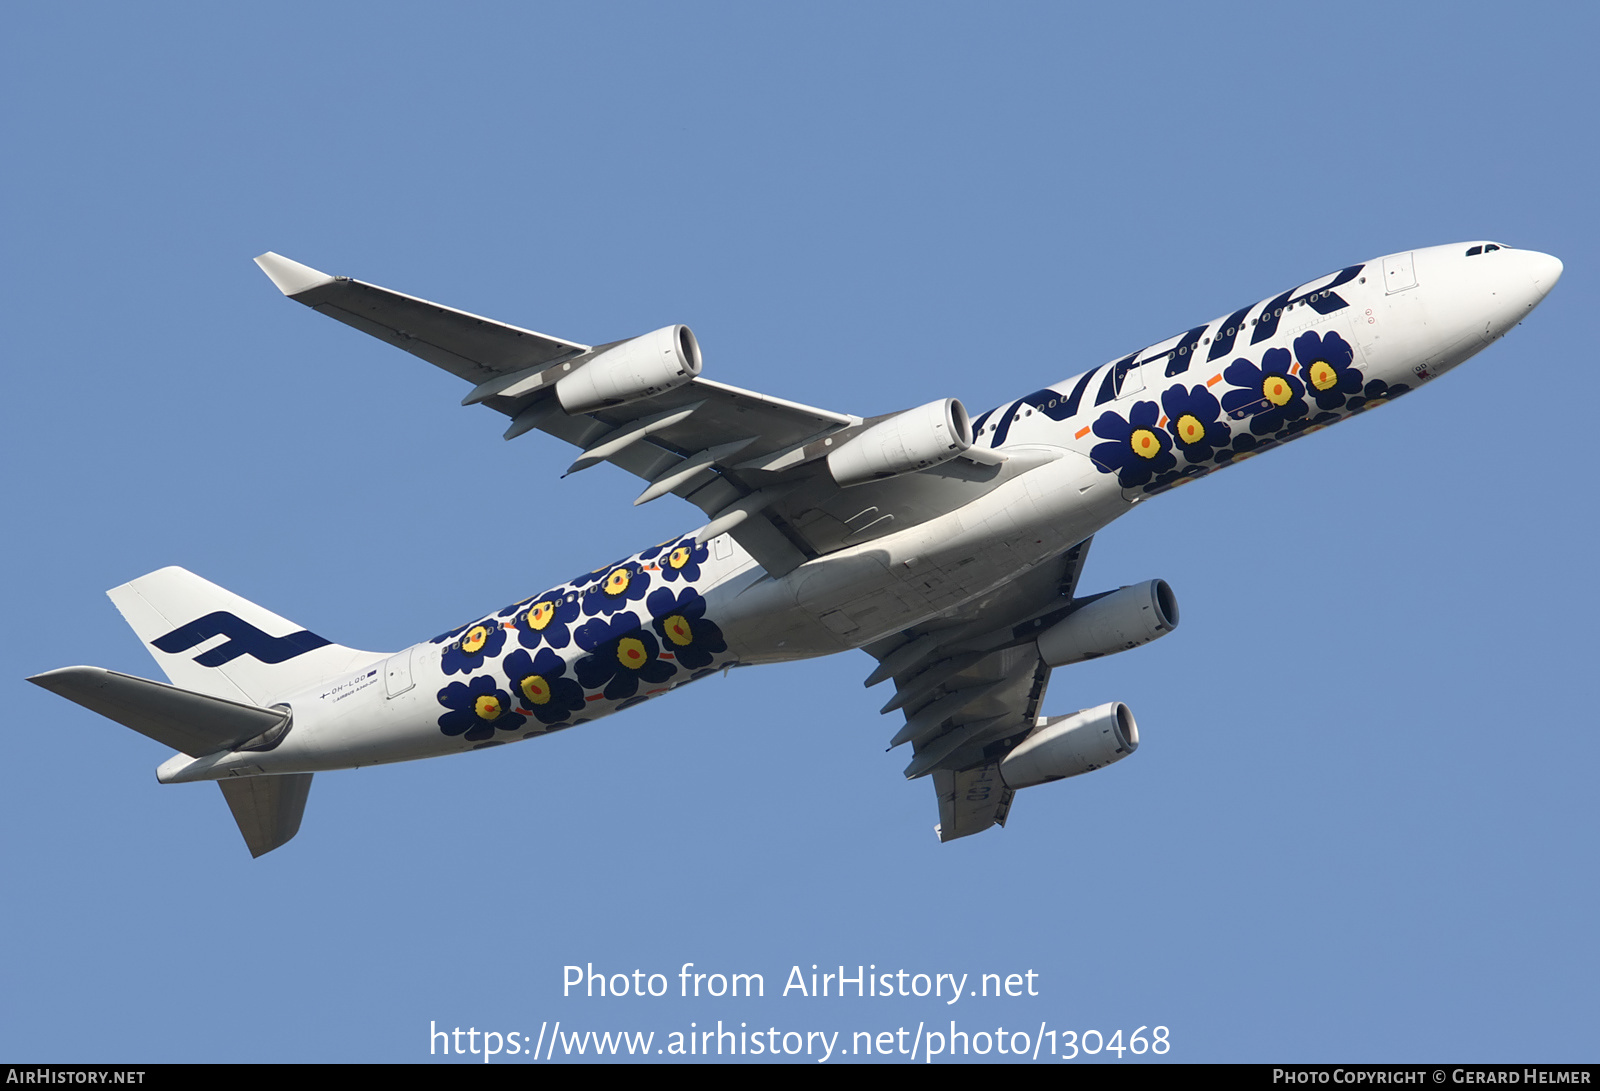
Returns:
<point x="971" y="689"/>
<point x="971" y="801"/>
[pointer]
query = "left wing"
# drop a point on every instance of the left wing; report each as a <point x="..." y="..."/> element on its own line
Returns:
<point x="476" y="349"/>
<point x="971" y="691"/>
<point x="755" y="464"/>
<point x="720" y="447"/>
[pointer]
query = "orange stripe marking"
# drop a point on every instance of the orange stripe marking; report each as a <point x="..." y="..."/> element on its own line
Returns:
<point x="1081" y="433"/>
<point x="1214" y="380"/>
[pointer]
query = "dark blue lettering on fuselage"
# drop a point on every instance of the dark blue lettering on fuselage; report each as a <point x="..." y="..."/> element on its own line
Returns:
<point x="243" y="639"/>
<point x="1004" y="426"/>
<point x="1323" y="300"/>
<point x="1059" y="408"/>
<point x="1178" y="355"/>
<point x="1222" y="343"/>
<point x="1112" y="387"/>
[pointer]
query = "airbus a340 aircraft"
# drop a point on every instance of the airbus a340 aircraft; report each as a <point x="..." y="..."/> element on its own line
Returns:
<point x="947" y="548"/>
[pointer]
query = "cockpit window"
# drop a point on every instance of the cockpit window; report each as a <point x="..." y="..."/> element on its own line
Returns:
<point x="1473" y="252"/>
<point x="1489" y="247"/>
<point x="1484" y="248"/>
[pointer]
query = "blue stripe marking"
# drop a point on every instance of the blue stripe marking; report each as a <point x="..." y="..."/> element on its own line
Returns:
<point x="1222" y="343"/>
<point x="1005" y="422"/>
<point x="1271" y="315"/>
<point x="1075" y="399"/>
<point x="243" y="639"/>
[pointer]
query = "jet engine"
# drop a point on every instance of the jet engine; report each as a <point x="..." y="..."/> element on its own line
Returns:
<point x="633" y="369"/>
<point x="1064" y="746"/>
<point x="1112" y="623"/>
<point x="903" y="444"/>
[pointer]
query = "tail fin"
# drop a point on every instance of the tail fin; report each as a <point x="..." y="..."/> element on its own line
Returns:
<point x="264" y="657"/>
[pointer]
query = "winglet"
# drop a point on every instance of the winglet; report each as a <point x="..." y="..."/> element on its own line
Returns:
<point x="291" y="277"/>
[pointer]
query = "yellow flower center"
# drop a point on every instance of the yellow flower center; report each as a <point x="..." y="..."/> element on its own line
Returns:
<point x="1190" y="430"/>
<point x="1145" y="444"/>
<point x="1277" y="390"/>
<point x="540" y="615"/>
<point x="678" y="631"/>
<point x="487" y="708"/>
<point x="476" y="638"/>
<point x="1322" y="375"/>
<point x="631" y="653"/>
<point x="617" y="582"/>
<point x="679" y="557"/>
<point x="536" y="689"/>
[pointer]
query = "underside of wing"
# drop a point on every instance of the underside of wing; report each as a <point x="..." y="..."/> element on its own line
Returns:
<point x="761" y="468"/>
<point x="476" y="349"/>
<point x="970" y="686"/>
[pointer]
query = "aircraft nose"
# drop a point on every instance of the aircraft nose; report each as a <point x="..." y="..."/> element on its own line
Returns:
<point x="1545" y="269"/>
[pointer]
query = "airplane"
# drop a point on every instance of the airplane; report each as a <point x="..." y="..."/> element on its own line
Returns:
<point x="948" y="548"/>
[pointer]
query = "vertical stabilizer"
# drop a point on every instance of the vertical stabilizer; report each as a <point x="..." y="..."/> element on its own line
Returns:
<point x="210" y="640"/>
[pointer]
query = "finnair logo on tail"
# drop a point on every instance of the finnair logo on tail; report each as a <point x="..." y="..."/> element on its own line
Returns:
<point x="243" y="639"/>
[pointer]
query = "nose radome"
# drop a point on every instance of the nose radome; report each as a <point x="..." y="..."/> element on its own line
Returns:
<point x="1545" y="269"/>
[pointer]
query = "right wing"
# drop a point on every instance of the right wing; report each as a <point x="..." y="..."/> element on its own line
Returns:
<point x="970" y="687"/>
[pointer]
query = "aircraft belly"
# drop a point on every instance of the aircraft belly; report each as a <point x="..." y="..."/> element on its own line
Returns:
<point x="863" y="593"/>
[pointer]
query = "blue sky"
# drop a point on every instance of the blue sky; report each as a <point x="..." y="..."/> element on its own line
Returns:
<point x="1361" y="822"/>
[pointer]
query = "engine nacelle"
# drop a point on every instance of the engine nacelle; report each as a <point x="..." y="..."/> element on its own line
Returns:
<point x="1112" y="623"/>
<point x="637" y="368"/>
<point x="1064" y="746"/>
<point x="903" y="444"/>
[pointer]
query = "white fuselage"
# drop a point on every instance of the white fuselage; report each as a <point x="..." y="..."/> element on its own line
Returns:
<point x="1097" y="444"/>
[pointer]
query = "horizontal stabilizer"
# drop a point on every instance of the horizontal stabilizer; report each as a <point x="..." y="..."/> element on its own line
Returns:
<point x="267" y="809"/>
<point x="191" y="722"/>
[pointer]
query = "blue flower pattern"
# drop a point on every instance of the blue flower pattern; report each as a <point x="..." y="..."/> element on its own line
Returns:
<point x="1283" y="396"/>
<point x="594" y="642"/>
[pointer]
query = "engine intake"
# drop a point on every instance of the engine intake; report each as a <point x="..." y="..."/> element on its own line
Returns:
<point x="1112" y="623"/>
<point x="1064" y="746"/>
<point x="903" y="444"/>
<point x="638" y="368"/>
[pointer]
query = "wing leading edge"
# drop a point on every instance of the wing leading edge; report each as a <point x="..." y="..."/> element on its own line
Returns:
<point x="733" y="453"/>
<point x="756" y="465"/>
